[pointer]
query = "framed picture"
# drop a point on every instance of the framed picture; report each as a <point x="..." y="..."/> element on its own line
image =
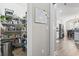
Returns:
<point x="40" y="16"/>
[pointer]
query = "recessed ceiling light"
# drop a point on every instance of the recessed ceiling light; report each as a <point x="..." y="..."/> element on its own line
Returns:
<point x="65" y="3"/>
<point x="54" y="3"/>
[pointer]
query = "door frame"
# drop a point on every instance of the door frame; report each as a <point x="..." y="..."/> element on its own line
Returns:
<point x="53" y="20"/>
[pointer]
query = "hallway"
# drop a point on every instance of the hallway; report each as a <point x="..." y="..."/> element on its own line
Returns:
<point x="67" y="47"/>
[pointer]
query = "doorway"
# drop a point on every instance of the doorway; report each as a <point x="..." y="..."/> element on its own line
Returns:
<point x="67" y="29"/>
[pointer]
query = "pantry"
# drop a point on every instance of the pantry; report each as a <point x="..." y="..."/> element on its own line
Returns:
<point x="14" y="36"/>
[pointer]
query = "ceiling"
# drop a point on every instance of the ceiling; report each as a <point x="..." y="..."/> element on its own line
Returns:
<point x="22" y="4"/>
<point x="67" y="10"/>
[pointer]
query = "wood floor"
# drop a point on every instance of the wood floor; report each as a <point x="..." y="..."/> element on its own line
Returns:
<point x="19" y="52"/>
<point x="67" y="47"/>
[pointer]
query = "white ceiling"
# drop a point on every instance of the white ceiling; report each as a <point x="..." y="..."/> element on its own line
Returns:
<point x="66" y="11"/>
<point x="22" y="4"/>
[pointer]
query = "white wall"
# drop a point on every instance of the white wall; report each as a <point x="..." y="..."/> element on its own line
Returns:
<point x="38" y="34"/>
<point x="19" y="8"/>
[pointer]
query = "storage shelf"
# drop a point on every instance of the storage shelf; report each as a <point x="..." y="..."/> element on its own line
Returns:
<point x="9" y="38"/>
<point x="14" y="32"/>
<point x="4" y="40"/>
<point x="7" y="24"/>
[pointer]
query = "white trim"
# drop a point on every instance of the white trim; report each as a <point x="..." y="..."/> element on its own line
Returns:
<point x="52" y="29"/>
<point x="29" y="29"/>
